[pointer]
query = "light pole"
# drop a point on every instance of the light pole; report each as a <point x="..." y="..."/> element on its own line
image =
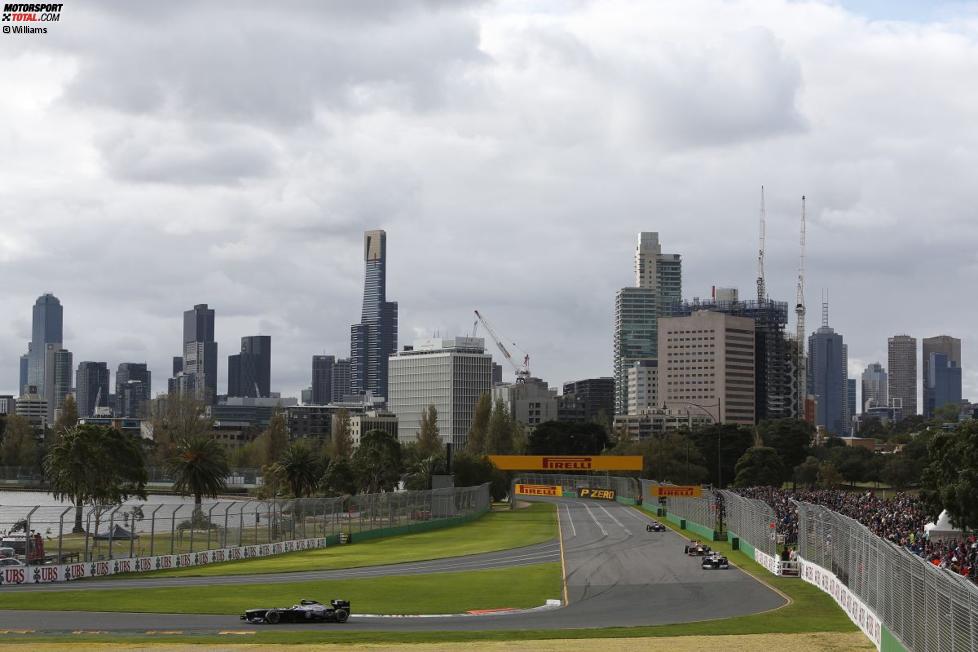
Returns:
<point x="715" y="422"/>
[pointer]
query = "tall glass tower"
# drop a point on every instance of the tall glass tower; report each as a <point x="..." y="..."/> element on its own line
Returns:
<point x="47" y="328"/>
<point x="375" y="337"/>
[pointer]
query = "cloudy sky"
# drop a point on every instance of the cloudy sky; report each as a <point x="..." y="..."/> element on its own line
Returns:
<point x="158" y="155"/>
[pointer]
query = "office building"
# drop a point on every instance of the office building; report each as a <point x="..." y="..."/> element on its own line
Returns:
<point x="639" y="427"/>
<point x="91" y="387"/>
<point x="33" y="407"/>
<point x="874" y="387"/>
<point x="340" y="382"/>
<point x="305" y="396"/>
<point x="950" y="348"/>
<point x="322" y="379"/>
<point x="902" y="370"/>
<point x="943" y="383"/>
<point x="47" y="330"/>
<point x="450" y="374"/>
<point x="497" y="377"/>
<point x="250" y="372"/>
<point x="827" y="377"/>
<point x="706" y="363"/>
<point x="25" y="363"/>
<point x="774" y="395"/>
<point x="597" y="396"/>
<point x="571" y="409"/>
<point x="658" y="287"/>
<point x="177" y="364"/>
<point x="850" y="403"/>
<point x="197" y="377"/>
<point x="374" y="339"/>
<point x="58" y="376"/>
<point x="530" y="403"/>
<point x="363" y="422"/>
<point x="310" y="422"/>
<point x="133" y="389"/>
<point x="247" y="410"/>
<point x="8" y="405"/>
<point x="643" y="387"/>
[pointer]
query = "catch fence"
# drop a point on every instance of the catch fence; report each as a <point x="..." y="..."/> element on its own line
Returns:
<point x="46" y="534"/>
<point x="753" y="521"/>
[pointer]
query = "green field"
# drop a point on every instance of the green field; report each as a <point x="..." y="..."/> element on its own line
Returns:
<point x="497" y="530"/>
<point x="437" y="593"/>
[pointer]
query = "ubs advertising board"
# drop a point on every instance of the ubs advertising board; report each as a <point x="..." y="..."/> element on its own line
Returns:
<point x="567" y="462"/>
<point x="539" y="490"/>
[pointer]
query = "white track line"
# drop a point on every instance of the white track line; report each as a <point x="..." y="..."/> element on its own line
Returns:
<point x="570" y="520"/>
<point x="620" y="524"/>
<point x="593" y="518"/>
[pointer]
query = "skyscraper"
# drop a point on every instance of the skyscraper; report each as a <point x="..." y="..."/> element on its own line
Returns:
<point x="942" y="386"/>
<point x="850" y="402"/>
<point x="322" y="378"/>
<point x="250" y="372"/>
<point x="199" y="354"/>
<point x="902" y="363"/>
<point x="874" y="387"/>
<point x="597" y="395"/>
<point x="133" y="389"/>
<point x="658" y="287"/>
<point x="827" y="377"/>
<point x="375" y="337"/>
<point x="950" y="348"/>
<point x="58" y="372"/>
<point x="91" y="387"/>
<point x="340" y="380"/>
<point x="47" y="327"/>
<point x="25" y="363"/>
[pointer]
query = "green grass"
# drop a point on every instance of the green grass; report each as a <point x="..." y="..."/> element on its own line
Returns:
<point x="497" y="530"/>
<point x="525" y="586"/>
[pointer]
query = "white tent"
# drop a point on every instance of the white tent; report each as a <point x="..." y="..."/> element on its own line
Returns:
<point x="942" y="529"/>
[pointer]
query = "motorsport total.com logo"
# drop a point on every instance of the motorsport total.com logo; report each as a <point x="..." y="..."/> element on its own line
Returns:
<point x="29" y="13"/>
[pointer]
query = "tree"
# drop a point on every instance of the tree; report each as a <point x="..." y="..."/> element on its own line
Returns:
<point x="275" y="439"/>
<point x="200" y="468"/>
<point x="299" y="468"/>
<point x="429" y="441"/>
<point x="339" y="478"/>
<point x="791" y="439"/>
<point x="342" y="439"/>
<point x="806" y="473"/>
<point x="899" y="472"/>
<point x="948" y="413"/>
<point x="479" y="432"/>
<point x="852" y="462"/>
<point x="828" y="476"/>
<point x="669" y="457"/>
<point x="500" y="439"/>
<point x="95" y="465"/>
<point x="377" y="462"/>
<point x="67" y="418"/>
<point x="19" y="447"/>
<point x="950" y="480"/>
<point x="733" y="441"/>
<point x="176" y="419"/>
<point x="520" y="440"/>
<point x="567" y="438"/>
<point x="760" y="466"/>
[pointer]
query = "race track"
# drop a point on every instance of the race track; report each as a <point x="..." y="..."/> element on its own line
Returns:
<point x="617" y="575"/>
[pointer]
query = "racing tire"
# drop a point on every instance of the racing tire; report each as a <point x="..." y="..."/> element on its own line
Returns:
<point x="273" y="617"/>
<point x="342" y="615"/>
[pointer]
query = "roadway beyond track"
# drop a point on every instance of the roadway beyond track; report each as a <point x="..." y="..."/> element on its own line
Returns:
<point x="617" y="575"/>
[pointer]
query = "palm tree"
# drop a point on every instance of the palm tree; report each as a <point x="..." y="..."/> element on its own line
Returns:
<point x="200" y="467"/>
<point x="300" y="468"/>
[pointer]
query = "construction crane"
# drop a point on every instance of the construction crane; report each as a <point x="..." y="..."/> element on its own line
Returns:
<point x="800" y="367"/>
<point x="522" y="372"/>
<point x="761" y="291"/>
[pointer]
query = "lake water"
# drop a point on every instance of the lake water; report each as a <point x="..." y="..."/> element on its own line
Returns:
<point x="31" y="498"/>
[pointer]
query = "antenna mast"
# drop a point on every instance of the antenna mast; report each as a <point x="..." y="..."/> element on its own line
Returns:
<point x="761" y="292"/>
<point x="800" y="367"/>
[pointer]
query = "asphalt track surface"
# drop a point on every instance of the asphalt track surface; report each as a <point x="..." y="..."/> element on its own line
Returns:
<point x="617" y="575"/>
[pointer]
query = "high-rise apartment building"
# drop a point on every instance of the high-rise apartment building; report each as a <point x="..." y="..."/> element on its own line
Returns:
<point x="874" y="387"/>
<point x="91" y="387"/>
<point x="133" y="389"/>
<point x="828" y="376"/>
<point x="643" y="387"/>
<point x="322" y="379"/>
<point x="250" y="372"/>
<point x="902" y="381"/>
<point x="950" y="348"/>
<point x="595" y="395"/>
<point x="198" y="374"/>
<point x="47" y="328"/>
<point x="706" y="363"/>
<point x="450" y="374"/>
<point x="374" y="339"/>
<point x="658" y="287"/>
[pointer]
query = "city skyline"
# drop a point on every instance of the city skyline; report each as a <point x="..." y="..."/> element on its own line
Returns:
<point x="257" y="207"/>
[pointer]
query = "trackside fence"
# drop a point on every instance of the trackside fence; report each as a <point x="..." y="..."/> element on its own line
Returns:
<point x="898" y="599"/>
<point x="754" y="523"/>
<point x="147" y="536"/>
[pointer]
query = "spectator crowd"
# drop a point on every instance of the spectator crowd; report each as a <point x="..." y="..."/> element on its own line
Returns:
<point x="899" y="519"/>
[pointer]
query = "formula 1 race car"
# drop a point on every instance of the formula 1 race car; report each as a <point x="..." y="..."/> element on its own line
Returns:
<point x="696" y="549"/>
<point x="655" y="526"/>
<point x="715" y="561"/>
<point x="307" y="611"/>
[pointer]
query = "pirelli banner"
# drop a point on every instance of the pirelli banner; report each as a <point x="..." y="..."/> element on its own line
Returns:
<point x="539" y="490"/>
<point x="567" y="462"/>
<point x="596" y="494"/>
<point x="674" y="491"/>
